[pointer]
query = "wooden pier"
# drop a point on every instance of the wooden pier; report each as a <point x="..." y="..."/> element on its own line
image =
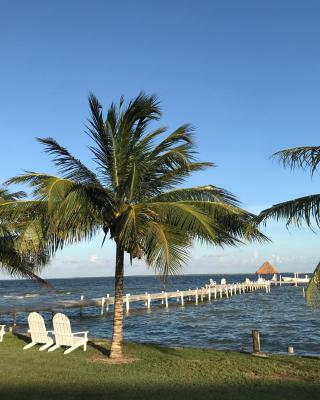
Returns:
<point x="196" y="296"/>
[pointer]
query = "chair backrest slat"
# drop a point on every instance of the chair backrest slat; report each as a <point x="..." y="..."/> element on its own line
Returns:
<point x="37" y="328"/>
<point x="62" y="330"/>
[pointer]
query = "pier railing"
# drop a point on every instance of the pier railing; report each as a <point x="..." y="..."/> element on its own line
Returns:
<point x="198" y="295"/>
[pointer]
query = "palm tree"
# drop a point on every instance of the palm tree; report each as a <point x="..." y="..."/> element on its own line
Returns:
<point x="303" y="210"/>
<point x="132" y="195"/>
<point x="14" y="257"/>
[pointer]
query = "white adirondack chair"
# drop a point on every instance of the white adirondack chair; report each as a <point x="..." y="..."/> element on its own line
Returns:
<point x="38" y="332"/>
<point x="64" y="335"/>
<point x="2" y="332"/>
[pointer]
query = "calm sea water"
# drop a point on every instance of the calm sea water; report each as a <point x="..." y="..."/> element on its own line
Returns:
<point x="282" y="316"/>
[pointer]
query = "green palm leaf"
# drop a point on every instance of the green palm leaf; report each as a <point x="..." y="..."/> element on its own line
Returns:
<point x="300" y="157"/>
<point x="303" y="210"/>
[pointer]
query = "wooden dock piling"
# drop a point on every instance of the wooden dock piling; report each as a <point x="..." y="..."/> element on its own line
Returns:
<point x="256" y="341"/>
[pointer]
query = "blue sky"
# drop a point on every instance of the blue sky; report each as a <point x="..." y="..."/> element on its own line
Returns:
<point x="245" y="74"/>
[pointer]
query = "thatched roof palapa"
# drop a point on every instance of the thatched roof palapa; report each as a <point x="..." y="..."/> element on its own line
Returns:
<point x="266" y="269"/>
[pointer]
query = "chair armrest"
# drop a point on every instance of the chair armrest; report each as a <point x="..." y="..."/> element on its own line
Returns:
<point x="85" y="334"/>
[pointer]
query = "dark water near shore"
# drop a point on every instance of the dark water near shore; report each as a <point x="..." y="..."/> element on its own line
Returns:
<point x="282" y="316"/>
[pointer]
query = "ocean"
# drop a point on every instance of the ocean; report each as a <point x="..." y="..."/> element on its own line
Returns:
<point x="283" y="317"/>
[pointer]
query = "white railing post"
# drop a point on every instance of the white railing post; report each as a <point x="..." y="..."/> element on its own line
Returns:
<point x="127" y="302"/>
<point x="149" y="301"/>
<point x="107" y="302"/>
<point x="102" y="305"/>
<point x="166" y="299"/>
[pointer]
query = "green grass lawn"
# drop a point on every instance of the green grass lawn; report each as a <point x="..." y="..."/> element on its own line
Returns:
<point x="158" y="373"/>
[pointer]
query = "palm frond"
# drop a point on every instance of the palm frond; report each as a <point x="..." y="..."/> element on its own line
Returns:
<point x="313" y="288"/>
<point x="69" y="166"/>
<point x="166" y="249"/>
<point x="296" y="212"/>
<point x="6" y="195"/>
<point x="199" y="193"/>
<point x="300" y="157"/>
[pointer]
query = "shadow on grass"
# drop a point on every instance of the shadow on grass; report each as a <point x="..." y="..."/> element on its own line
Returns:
<point x="262" y="391"/>
<point x="22" y="336"/>
<point x="101" y="349"/>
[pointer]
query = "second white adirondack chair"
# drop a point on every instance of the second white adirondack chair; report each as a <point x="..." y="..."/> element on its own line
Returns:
<point x="64" y="335"/>
<point x="38" y="332"/>
<point x="2" y="332"/>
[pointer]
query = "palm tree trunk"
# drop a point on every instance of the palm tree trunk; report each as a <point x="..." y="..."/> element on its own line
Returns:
<point x="117" y="336"/>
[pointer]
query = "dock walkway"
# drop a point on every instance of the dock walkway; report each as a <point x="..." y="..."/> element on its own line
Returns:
<point x="209" y="292"/>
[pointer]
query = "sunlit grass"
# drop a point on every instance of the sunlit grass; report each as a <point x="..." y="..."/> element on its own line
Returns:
<point x="154" y="372"/>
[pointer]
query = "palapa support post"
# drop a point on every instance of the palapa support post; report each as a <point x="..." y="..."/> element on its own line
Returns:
<point x="256" y="341"/>
<point x="102" y="305"/>
<point x="127" y="302"/>
<point x="166" y="299"/>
